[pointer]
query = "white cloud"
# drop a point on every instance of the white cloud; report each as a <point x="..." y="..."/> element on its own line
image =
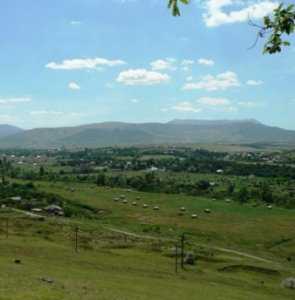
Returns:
<point x="86" y="63"/>
<point x="55" y="114"/>
<point x="216" y="15"/>
<point x="14" y="100"/>
<point x="7" y="119"/>
<point x="163" y="64"/>
<point x="206" y="62"/>
<point x="254" y="82"/>
<point x="221" y="81"/>
<point x="210" y="101"/>
<point x="74" y="86"/>
<point x="187" y="62"/>
<point x="135" y="100"/>
<point x="186" y="107"/>
<point x="46" y="112"/>
<point x="189" y="78"/>
<point x="142" y="77"/>
<point x="75" y="23"/>
<point x="249" y="104"/>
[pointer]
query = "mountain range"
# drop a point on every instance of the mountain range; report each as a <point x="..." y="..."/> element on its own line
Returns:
<point x="122" y="134"/>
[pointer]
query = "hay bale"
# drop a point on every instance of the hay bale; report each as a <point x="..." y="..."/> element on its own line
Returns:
<point x="289" y="283"/>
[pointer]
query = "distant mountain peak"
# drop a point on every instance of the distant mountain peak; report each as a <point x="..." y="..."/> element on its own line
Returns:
<point x="212" y="122"/>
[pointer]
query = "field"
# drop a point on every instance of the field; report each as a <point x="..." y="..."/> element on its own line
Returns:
<point x="243" y="252"/>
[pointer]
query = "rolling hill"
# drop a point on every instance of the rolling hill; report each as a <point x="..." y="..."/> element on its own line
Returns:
<point x="7" y="130"/>
<point x="173" y="132"/>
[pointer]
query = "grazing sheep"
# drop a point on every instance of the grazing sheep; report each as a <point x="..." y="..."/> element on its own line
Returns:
<point x="125" y="201"/>
<point x="207" y="211"/>
<point x="145" y="206"/>
<point x="183" y="208"/>
<point x="134" y="203"/>
<point x="116" y="199"/>
<point x="194" y="216"/>
<point x="269" y="206"/>
<point x="156" y="208"/>
<point x="227" y="200"/>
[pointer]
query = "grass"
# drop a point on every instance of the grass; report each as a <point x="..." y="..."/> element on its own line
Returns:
<point x="111" y="266"/>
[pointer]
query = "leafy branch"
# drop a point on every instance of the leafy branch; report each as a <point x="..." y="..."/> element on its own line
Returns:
<point x="282" y="22"/>
<point x="173" y="5"/>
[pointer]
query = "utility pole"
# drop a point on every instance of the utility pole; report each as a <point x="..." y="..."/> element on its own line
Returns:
<point x="182" y="240"/>
<point x="7" y="228"/>
<point x="76" y="239"/>
<point x="176" y="258"/>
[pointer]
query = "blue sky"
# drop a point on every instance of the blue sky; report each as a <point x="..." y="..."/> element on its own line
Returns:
<point x="70" y="62"/>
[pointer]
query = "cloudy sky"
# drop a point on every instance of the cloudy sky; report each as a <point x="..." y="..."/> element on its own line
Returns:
<point x="69" y="62"/>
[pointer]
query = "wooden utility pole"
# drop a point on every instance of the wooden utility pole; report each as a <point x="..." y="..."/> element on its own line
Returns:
<point x="176" y="258"/>
<point x="7" y="228"/>
<point x="182" y="240"/>
<point x="76" y="239"/>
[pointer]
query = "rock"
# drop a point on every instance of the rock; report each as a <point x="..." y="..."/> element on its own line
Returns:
<point x="47" y="280"/>
<point x="189" y="258"/>
<point x="289" y="283"/>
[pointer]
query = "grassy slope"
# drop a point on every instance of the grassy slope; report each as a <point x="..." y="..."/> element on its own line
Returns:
<point x="108" y="267"/>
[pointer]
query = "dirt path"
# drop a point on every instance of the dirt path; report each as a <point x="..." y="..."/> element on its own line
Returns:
<point x="235" y="252"/>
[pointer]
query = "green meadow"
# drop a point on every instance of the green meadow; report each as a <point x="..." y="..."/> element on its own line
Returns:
<point x="126" y="251"/>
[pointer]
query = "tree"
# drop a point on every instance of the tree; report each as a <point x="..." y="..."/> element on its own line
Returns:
<point x="274" y="27"/>
<point x="266" y="194"/>
<point x="243" y="195"/>
<point x="41" y="171"/>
